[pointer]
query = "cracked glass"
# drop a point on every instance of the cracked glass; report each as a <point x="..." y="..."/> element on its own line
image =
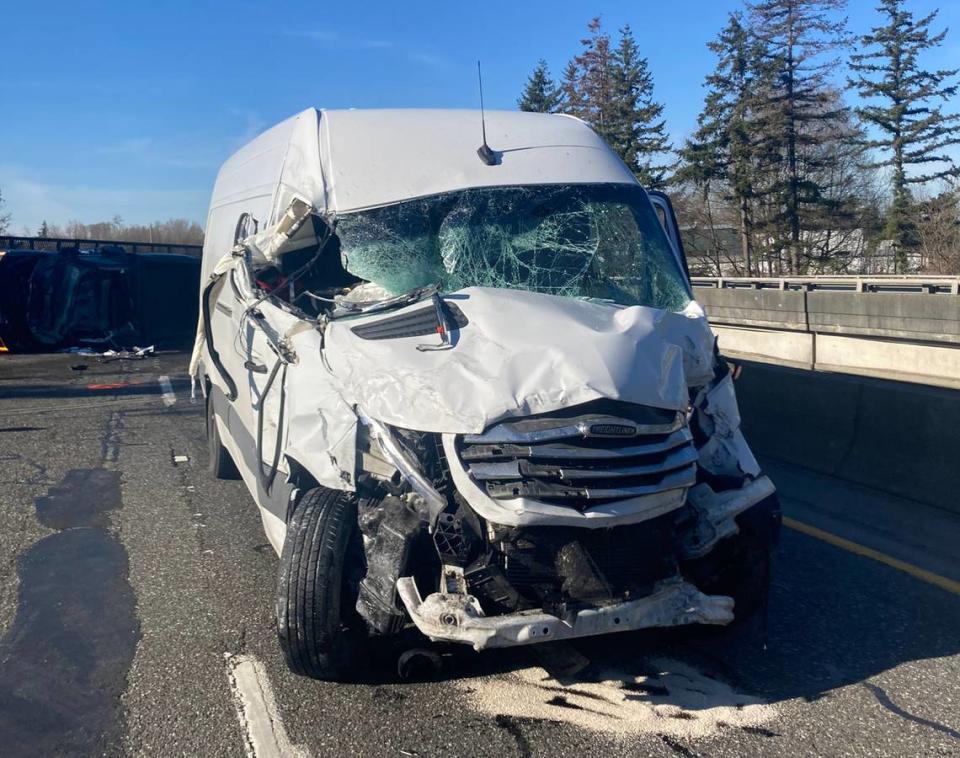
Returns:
<point x="600" y="242"/>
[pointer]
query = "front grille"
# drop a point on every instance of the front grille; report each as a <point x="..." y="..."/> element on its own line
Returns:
<point x="586" y="459"/>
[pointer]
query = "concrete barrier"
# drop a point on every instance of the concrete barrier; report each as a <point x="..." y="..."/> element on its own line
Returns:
<point x="889" y="315"/>
<point x="897" y="437"/>
<point x="885" y="315"/>
<point x="936" y="364"/>
<point x="772" y="309"/>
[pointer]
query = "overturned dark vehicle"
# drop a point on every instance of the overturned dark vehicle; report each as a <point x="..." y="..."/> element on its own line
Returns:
<point x="104" y="299"/>
<point x="470" y="391"/>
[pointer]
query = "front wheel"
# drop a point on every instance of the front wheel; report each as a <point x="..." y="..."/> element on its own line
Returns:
<point x="319" y="629"/>
<point x="740" y="565"/>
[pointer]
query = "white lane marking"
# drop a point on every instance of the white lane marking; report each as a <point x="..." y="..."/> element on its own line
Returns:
<point x="169" y="398"/>
<point x="264" y="735"/>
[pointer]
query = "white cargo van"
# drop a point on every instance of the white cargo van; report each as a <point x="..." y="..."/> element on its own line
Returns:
<point x="470" y="391"/>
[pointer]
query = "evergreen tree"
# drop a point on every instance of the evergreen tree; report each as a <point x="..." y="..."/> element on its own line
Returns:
<point x="612" y="90"/>
<point x="838" y="225"/>
<point x="588" y="81"/>
<point x="722" y="151"/>
<point x="569" y="89"/>
<point x="637" y="131"/>
<point x="795" y="35"/>
<point x="541" y="95"/>
<point x="905" y="107"/>
<point x="4" y="218"/>
<point x="44" y="230"/>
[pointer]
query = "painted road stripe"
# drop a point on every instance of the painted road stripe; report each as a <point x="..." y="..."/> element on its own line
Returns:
<point x="169" y="398"/>
<point x="868" y="552"/>
<point x="264" y="735"/>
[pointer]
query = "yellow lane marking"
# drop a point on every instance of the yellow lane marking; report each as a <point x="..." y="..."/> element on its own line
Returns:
<point x="908" y="568"/>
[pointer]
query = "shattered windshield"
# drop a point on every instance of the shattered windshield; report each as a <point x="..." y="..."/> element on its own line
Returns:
<point x="600" y="241"/>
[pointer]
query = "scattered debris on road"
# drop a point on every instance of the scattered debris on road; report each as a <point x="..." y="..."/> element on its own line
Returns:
<point x="671" y="698"/>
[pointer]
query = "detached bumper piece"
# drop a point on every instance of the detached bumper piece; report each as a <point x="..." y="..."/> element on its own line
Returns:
<point x="459" y="618"/>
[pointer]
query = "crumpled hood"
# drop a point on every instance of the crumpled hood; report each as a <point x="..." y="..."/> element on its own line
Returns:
<point x="521" y="353"/>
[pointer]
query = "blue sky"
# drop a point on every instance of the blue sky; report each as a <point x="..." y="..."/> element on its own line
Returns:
<point x="129" y="107"/>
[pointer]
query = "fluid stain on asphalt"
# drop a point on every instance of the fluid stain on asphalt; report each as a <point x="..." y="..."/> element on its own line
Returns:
<point x="64" y="660"/>
<point x="81" y="499"/>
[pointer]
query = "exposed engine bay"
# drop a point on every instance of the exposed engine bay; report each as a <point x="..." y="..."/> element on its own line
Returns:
<point x="509" y="583"/>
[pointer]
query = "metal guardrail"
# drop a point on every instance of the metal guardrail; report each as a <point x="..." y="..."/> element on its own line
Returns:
<point x="919" y="284"/>
<point x="55" y="244"/>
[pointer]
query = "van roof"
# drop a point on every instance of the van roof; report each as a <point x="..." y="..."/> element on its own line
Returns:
<point x="348" y="160"/>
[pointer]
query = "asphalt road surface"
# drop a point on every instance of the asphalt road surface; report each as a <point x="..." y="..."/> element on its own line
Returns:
<point x="136" y="617"/>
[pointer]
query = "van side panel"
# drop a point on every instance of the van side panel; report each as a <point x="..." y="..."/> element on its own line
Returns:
<point x="245" y="184"/>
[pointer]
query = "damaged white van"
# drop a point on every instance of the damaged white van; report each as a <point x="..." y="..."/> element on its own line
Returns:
<point x="469" y="389"/>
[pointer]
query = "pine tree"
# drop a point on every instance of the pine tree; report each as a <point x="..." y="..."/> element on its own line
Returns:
<point x="588" y="81"/>
<point x="4" y="218"/>
<point x="569" y="89"/>
<point x="637" y="131"/>
<point x="612" y="90"/>
<point x="796" y="35"/>
<point x="541" y="95"/>
<point x="722" y="151"/>
<point x="905" y="107"/>
<point x="44" y="230"/>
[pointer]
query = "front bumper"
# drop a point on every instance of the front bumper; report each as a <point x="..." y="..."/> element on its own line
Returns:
<point x="459" y="618"/>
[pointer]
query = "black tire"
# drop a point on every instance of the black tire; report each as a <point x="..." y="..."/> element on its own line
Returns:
<point x="219" y="462"/>
<point x="740" y="566"/>
<point x="744" y="576"/>
<point x="321" y="566"/>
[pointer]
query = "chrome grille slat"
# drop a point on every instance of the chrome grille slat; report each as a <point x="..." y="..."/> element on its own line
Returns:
<point x="585" y="427"/>
<point x="534" y="488"/>
<point x="677" y="458"/>
<point x="584" y="460"/>
<point x="574" y="452"/>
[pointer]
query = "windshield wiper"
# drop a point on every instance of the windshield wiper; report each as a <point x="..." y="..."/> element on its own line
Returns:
<point x="347" y="308"/>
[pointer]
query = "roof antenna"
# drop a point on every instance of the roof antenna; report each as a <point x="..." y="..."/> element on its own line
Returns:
<point x="487" y="155"/>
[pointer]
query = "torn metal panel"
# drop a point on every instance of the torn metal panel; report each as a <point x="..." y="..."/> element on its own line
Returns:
<point x="321" y="425"/>
<point x="717" y="513"/>
<point x="406" y="465"/>
<point x="726" y="452"/>
<point x="293" y="231"/>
